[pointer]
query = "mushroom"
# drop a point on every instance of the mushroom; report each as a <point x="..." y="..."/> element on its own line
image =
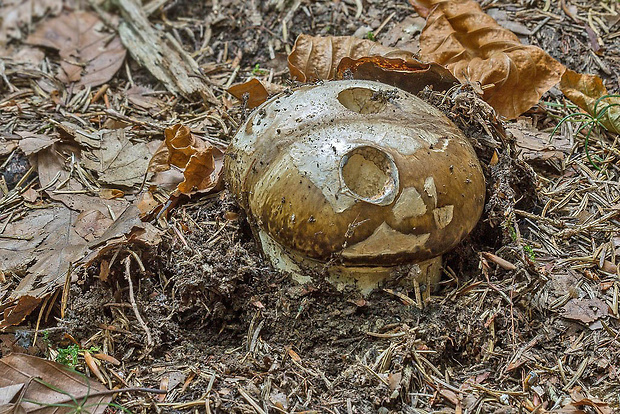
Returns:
<point x="357" y="178"/>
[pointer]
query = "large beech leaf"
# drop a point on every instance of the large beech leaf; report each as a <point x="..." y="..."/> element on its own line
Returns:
<point x="37" y="385"/>
<point x="317" y="57"/>
<point x="588" y="91"/>
<point x="459" y="35"/>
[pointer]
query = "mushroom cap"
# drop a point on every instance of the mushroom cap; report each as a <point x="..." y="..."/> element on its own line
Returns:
<point x="358" y="170"/>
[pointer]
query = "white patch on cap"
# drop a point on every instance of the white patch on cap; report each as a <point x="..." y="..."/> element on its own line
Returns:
<point x="386" y="240"/>
<point x="431" y="190"/>
<point x="443" y="215"/>
<point x="409" y="204"/>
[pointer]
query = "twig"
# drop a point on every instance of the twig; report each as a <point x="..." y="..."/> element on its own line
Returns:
<point x="132" y="300"/>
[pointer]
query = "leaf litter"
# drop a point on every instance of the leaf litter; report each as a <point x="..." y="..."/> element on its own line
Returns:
<point x="88" y="55"/>
<point x="542" y="317"/>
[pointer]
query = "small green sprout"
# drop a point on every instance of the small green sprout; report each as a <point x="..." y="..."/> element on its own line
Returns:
<point x="530" y="252"/>
<point x="257" y="71"/>
<point x="69" y="355"/>
<point x="371" y="36"/>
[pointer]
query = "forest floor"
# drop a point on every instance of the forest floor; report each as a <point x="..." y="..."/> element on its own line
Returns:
<point x="228" y="333"/>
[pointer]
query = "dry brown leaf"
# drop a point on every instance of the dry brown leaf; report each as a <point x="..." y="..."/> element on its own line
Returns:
<point x="7" y="146"/>
<point x="47" y="244"/>
<point x="146" y="202"/>
<point x="201" y="163"/>
<point x="141" y="96"/>
<point x="53" y="171"/>
<point x="203" y="171"/>
<point x="408" y="74"/>
<point x="15" y="313"/>
<point x="33" y="143"/>
<point x="46" y="382"/>
<point x="111" y="193"/>
<point x="585" y="310"/>
<point x="317" y="57"/>
<point x="88" y="55"/>
<point x="459" y="35"/>
<point x="255" y="90"/>
<point x="179" y="145"/>
<point x="580" y="401"/>
<point x="536" y="147"/>
<point x="43" y="235"/>
<point x="127" y="229"/>
<point x="92" y="224"/>
<point x="19" y="13"/>
<point x="119" y="161"/>
<point x="585" y="91"/>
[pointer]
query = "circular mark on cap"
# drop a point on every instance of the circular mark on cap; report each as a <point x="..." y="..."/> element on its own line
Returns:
<point x="369" y="174"/>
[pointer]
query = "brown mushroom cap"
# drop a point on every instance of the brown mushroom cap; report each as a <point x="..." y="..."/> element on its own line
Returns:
<point x="357" y="169"/>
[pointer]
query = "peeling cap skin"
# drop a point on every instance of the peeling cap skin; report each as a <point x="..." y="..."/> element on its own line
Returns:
<point x="358" y="170"/>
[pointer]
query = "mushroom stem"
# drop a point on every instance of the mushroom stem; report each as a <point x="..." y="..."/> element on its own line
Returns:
<point x="366" y="278"/>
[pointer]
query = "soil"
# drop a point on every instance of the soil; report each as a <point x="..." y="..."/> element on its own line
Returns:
<point x="236" y="336"/>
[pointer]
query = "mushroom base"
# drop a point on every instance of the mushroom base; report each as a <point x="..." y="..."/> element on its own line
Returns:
<point x="426" y="274"/>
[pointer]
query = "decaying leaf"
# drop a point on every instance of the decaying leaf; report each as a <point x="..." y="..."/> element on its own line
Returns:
<point x="17" y="13"/>
<point x="58" y="167"/>
<point x="45" y="385"/>
<point x="33" y="143"/>
<point x="588" y="91"/>
<point x="201" y="163"/>
<point x="119" y="161"/>
<point x="536" y="147"/>
<point x="585" y="310"/>
<point x="88" y="56"/>
<point x="7" y="146"/>
<point x="459" y="35"/>
<point x="141" y="96"/>
<point x="43" y="236"/>
<point x="317" y="57"/>
<point x="580" y="402"/>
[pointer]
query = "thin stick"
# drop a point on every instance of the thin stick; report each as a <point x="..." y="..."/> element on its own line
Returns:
<point x="134" y="306"/>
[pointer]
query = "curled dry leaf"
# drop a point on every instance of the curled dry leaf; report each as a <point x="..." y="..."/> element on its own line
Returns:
<point x="255" y="90"/>
<point x="317" y="57"/>
<point x="409" y="74"/>
<point x="590" y="94"/>
<point x="201" y="163"/>
<point x="88" y="56"/>
<point x="459" y="35"/>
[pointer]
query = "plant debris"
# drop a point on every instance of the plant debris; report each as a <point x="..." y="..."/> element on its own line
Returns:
<point x="134" y="283"/>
